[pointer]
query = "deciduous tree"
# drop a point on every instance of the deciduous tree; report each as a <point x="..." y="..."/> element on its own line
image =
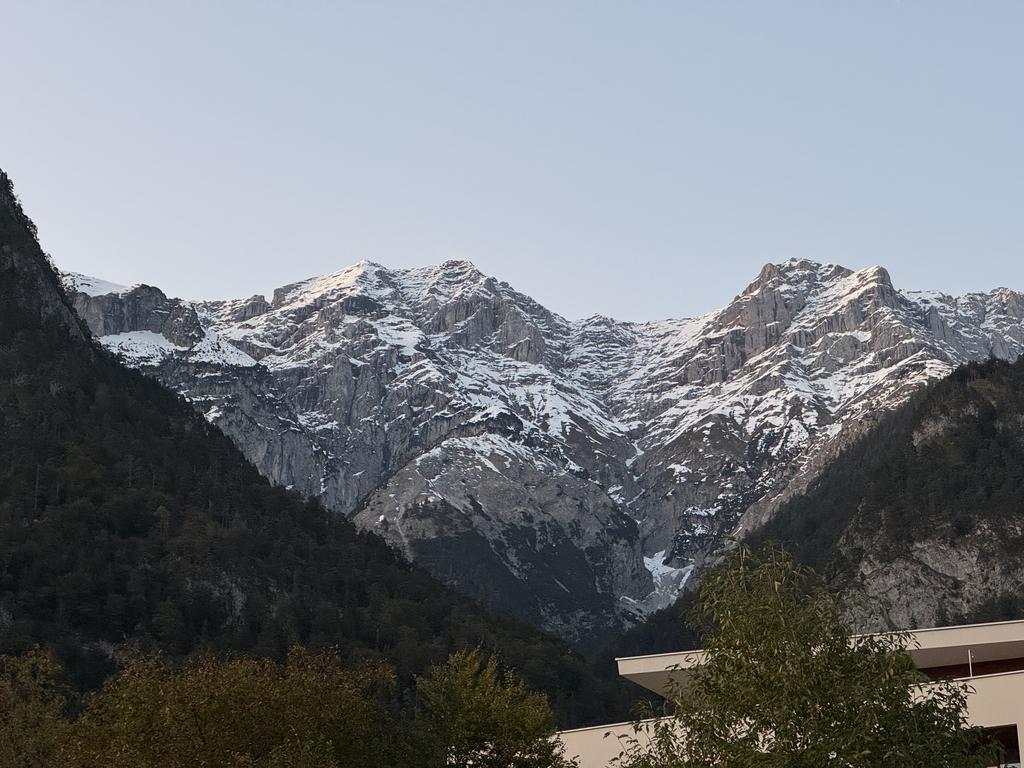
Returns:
<point x="784" y="684"/>
<point x="472" y="716"/>
<point x="32" y="703"/>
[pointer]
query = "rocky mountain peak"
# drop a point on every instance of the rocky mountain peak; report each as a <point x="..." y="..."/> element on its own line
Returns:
<point x="364" y="277"/>
<point x="453" y="275"/>
<point x="876" y="274"/>
<point x="800" y="275"/>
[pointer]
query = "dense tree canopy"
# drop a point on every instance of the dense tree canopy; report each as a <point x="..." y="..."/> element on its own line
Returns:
<point x="784" y="684"/>
<point x="472" y="716"/>
<point x="308" y="711"/>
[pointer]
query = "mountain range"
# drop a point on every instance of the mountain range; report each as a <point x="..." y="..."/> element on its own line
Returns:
<point x="130" y="525"/>
<point x="573" y="473"/>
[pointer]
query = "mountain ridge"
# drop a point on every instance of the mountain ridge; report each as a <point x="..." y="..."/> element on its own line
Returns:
<point x="584" y="466"/>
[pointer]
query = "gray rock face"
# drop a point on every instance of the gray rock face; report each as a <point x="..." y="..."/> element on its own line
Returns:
<point x="572" y="472"/>
<point x="935" y="580"/>
<point x="142" y="308"/>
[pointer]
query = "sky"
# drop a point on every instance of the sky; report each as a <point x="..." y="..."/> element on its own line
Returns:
<point x="636" y="159"/>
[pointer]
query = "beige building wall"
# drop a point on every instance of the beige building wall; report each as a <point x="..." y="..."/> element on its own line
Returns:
<point x="595" y="747"/>
<point x="995" y="701"/>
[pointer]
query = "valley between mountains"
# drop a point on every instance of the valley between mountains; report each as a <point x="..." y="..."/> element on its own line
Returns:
<point x="573" y="473"/>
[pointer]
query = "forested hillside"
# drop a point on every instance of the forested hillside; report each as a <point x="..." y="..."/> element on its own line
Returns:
<point x="923" y="518"/>
<point x="925" y="515"/>
<point x="127" y="521"/>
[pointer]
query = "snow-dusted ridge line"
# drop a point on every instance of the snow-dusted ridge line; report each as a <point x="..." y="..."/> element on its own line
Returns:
<point x="438" y="404"/>
<point x="92" y="286"/>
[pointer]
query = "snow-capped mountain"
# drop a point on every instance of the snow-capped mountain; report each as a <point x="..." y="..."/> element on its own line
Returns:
<point x="572" y="472"/>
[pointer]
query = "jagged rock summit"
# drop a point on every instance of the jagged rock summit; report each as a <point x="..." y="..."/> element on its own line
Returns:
<point x="572" y="472"/>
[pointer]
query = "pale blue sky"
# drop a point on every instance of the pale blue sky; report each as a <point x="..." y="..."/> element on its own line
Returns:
<point x="637" y="159"/>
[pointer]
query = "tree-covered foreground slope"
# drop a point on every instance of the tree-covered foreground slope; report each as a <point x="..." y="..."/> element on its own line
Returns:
<point x="127" y="521"/>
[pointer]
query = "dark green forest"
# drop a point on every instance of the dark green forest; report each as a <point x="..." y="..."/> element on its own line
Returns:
<point x="127" y="523"/>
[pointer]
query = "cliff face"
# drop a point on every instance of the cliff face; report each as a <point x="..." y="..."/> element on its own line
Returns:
<point x="573" y="472"/>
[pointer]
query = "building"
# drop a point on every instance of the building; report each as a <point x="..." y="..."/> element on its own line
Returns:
<point x="990" y="657"/>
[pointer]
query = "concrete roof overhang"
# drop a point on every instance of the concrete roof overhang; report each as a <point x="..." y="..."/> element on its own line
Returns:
<point x="934" y="647"/>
